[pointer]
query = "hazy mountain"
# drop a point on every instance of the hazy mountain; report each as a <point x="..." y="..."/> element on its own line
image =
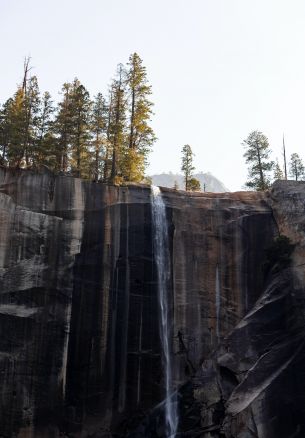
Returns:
<point x="212" y="184"/>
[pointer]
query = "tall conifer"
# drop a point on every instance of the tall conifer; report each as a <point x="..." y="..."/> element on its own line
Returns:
<point x="296" y="167"/>
<point x="80" y="106"/>
<point x="258" y="158"/>
<point x="63" y="128"/>
<point x="187" y="165"/>
<point x="45" y="147"/>
<point x="99" y="130"/>
<point x="117" y="128"/>
<point x="141" y="136"/>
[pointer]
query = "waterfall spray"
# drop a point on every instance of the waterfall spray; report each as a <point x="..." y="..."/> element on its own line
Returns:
<point x="162" y="259"/>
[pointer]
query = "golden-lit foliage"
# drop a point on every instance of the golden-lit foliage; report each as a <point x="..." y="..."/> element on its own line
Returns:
<point x="104" y="138"/>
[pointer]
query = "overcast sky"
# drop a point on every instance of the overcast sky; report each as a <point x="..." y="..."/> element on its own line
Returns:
<point x="219" y="68"/>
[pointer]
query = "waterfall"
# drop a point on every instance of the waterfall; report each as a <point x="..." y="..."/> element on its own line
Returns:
<point x="162" y="260"/>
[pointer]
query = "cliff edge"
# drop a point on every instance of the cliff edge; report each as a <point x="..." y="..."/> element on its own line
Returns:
<point x="80" y="352"/>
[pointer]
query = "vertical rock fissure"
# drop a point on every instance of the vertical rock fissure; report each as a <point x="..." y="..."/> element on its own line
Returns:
<point x="139" y="359"/>
<point x="162" y="260"/>
<point x="123" y="371"/>
<point x="217" y="302"/>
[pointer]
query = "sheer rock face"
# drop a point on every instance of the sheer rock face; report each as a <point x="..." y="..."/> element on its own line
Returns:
<point x="80" y="353"/>
<point x="256" y="374"/>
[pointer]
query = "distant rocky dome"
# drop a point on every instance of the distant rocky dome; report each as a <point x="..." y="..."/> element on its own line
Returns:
<point x="212" y="184"/>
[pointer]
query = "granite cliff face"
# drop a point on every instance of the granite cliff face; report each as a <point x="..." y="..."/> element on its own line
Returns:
<point x="80" y="352"/>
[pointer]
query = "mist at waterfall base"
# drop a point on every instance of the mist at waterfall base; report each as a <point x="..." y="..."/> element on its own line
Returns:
<point x="162" y="260"/>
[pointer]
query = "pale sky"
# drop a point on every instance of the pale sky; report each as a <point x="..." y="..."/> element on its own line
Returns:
<point x="219" y="68"/>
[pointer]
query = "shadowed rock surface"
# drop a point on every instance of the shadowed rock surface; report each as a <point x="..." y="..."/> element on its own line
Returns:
<point x="80" y="354"/>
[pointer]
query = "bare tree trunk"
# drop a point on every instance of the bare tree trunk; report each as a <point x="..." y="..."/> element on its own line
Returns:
<point x="26" y="69"/>
<point x="284" y="153"/>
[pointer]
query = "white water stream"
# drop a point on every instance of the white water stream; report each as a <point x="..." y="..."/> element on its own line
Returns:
<point x="162" y="259"/>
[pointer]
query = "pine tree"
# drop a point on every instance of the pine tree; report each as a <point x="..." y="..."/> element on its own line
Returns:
<point x="31" y="102"/>
<point x="45" y="147"/>
<point x="117" y="124"/>
<point x="187" y="165"/>
<point x="19" y="123"/>
<point x="80" y="105"/>
<point x="278" y="173"/>
<point x="5" y="131"/>
<point x="296" y="167"/>
<point x="13" y="124"/>
<point x="80" y="129"/>
<point x="63" y="128"/>
<point x="108" y="143"/>
<point x="258" y="157"/>
<point x="93" y="140"/>
<point x="64" y="144"/>
<point x="20" y="120"/>
<point x="132" y="165"/>
<point x="99" y="118"/>
<point x="141" y="136"/>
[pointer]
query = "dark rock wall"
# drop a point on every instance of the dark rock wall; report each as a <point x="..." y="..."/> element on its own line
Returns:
<point x="79" y="343"/>
<point x="218" y="250"/>
<point x="78" y="310"/>
<point x="253" y="384"/>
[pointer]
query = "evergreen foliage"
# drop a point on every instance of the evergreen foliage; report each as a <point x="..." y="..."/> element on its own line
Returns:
<point x="296" y="167"/>
<point x="187" y="165"/>
<point x="140" y="135"/>
<point x="12" y="129"/>
<point x="258" y="158"/>
<point x="98" y="124"/>
<point x="44" y="142"/>
<point x="117" y="123"/>
<point x="104" y="138"/>
<point x="194" y="185"/>
<point x="278" y="173"/>
<point x="63" y="129"/>
<point x="80" y="154"/>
